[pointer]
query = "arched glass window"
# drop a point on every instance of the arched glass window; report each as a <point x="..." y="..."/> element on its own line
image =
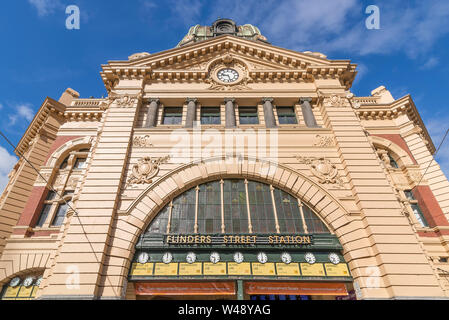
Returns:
<point x="236" y="207"/>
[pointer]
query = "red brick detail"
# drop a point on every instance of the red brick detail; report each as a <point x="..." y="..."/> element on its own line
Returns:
<point x="59" y="142"/>
<point x="396" y="138"/>
<point x="430" y="206"/>
<point x="433" y="234"/>
<point x="33" y="207"/>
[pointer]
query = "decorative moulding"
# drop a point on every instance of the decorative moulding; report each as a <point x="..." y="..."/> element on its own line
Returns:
<point x="142" y="142"/>
<point x="323" y="169"/>
<point x="324" y="141"/>
<point x="145" y="170"/>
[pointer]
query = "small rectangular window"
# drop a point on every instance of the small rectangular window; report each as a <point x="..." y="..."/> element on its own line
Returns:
<point x="60" y="215"/>
<point x="172" y="115"/>
<point x="210" y="115"/>
<point x="416" y="209"/>
<point x="43" y="216"/>
<point x="248" y="115"/>
<point x="80" y="163"/>
<point x="286" y="115"/>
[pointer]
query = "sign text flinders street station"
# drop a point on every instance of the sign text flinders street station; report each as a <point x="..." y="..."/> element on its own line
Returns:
<point x="239" y="239"/>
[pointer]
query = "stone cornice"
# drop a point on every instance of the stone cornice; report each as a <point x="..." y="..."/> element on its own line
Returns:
<point x="402" y="106"/>
<point x="295" y="65"/>
<point x="37" y="124"/>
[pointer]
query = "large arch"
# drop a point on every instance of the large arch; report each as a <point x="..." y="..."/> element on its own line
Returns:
<point x="131" y="223"/>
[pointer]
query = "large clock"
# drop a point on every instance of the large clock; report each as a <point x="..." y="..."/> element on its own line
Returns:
<point x="227" y="75"/>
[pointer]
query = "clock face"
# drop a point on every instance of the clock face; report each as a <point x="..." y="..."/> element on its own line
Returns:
<point x="143" y="257"/>
<point x="167" y="257"/>
<point x="310" y="258"/>
<point x="38" y="281"/>
<point x="191" y="257"/>
<point x="14" y="282"/>
<point x="286" y="257"/>
<point x="334" y="258"/>
<point x="227" y="75"/>
<point x="214" y="257"/>
<point x="238" y="257"/>
<point x="28" y="281"/>
<point x="262" y="257"/>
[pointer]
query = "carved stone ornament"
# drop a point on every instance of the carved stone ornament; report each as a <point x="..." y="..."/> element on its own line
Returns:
<point x="415" y="176"/>
<point x="42" y="176"/>
<point x="228" y="61"/>
<point x="122" y="101"/>
<point x="142" y="142"/>
<point x="323" y="141"/>
<point x="323" y="169"/>
<point x="336" y="101"/>
<point x="145" y="170"/>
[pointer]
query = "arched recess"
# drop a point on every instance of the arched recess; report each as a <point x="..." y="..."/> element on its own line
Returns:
<point x="142" y="211"/>
<point x="399" y="154"/>
<point x="62" y="152"/>
<point x="131" y="223"/>
<point x="22" y="285"/>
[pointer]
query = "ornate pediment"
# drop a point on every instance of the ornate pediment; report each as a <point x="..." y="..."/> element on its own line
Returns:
<point x="262" y="60"/>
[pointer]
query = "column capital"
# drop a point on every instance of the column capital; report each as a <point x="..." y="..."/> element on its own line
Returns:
<point x="226" y="100"/>
<point x="267" y="99"/>
<point x="305" y="99"/>
<point x="156" y="100"/>
<point x="194" y="100"/>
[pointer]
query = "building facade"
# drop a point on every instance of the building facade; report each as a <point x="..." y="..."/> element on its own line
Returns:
<point x="226" y="168"/>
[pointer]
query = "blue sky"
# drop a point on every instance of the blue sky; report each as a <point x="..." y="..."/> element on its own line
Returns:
<point x="40" y="57"/>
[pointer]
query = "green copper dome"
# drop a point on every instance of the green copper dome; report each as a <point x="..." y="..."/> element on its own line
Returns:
<point x="222" y="27"/>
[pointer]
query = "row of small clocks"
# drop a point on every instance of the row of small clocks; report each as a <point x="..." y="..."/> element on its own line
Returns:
<point x="214" y="257"/>
<point x="28" y="282"/>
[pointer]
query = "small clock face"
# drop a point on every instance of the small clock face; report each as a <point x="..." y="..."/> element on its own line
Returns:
<point x="167" y="257"/>
<point x="227" y="75"/>
<point x="310" y="258"/>
<point x="214" y="257"/>
<point x="14" y="282"/>
<point x="238" y="257"/>
<point x="28" y="281"/>
<point x="143" y="257"/>
<point x="262" y="257"/>
<point x="38" y="281"/>
<point x="191" y="257"/>
<point x="334" y="258"/>
<point x="286" y="257"/>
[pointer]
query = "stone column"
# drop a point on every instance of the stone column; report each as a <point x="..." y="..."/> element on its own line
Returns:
<point x="270" y="121"/>
<point x="152" y="113"/>
<point x="191" y="112"/>
<point x="307" y="112"/>
<point x="230" y="112"/>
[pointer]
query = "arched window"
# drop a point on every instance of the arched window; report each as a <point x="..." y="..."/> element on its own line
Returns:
<point x="55" y="205"/>
<point x="236" y="207"/>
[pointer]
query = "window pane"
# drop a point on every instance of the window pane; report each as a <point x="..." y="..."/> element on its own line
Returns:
<point x="51" y="195"/>
<point x="172" y="115"/>
<point x="236" y="214"/>
<point x="60" y="215"/>
<point x="314" y="224"/>
<point x="419" y="215"/>
<point x="80" y="163"/>
<point x="159" y="224"/>
<point x="43" y="216"/>
<point x="286" y="115"/>
<point x="64" y="163"/>
<point x="261" y="207"/>
<point x="210" y="115"/>
<point x="209" y="207"/>
<point x="183" y="213"/>
<point x="248" y="115"/>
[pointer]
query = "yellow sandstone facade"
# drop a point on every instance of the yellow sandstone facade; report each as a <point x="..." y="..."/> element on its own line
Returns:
<point x="225" y="109"/>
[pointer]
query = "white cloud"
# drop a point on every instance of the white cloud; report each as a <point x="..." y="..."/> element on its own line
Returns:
<point x="7" y="162"/>
<point x="45" y="7"/>
<point x="431" y="62"/>
<point x="23" y="112"/>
